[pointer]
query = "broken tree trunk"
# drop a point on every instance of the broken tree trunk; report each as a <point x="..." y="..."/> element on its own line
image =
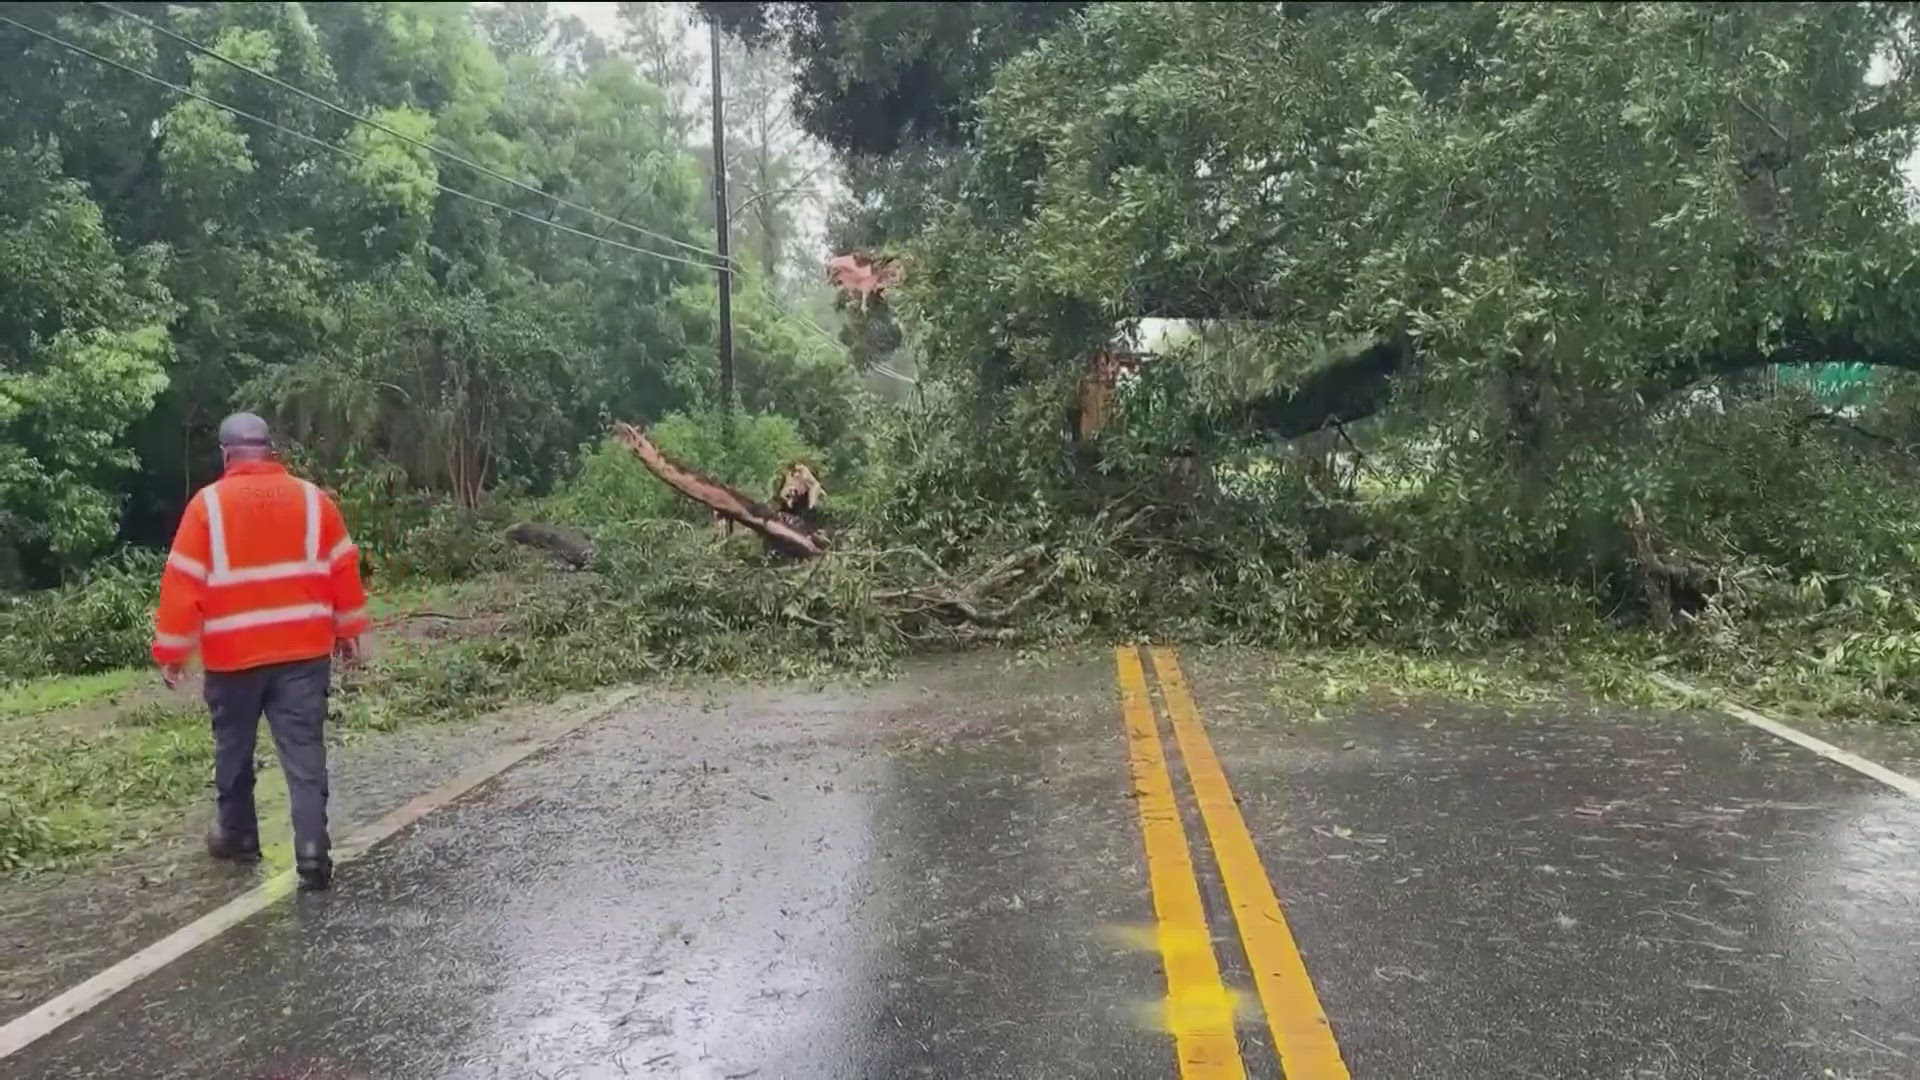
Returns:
<point x="1654" y="589"/>
<point x="799" y="492"/>
<point x="1671" y="584"/>
<point x="781" y="530"/>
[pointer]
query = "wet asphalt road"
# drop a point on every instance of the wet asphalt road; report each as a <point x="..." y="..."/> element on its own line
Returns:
<point x="943" y="875"/>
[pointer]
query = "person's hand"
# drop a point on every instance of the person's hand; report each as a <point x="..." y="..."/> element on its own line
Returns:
<point x="172" y="675"/>
<point x="347" y="651"/>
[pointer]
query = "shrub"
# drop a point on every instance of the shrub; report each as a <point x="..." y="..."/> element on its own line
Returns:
<point x="448" y="543"/>
<point x="406" y="534"/>
<point x="101" y="622"/>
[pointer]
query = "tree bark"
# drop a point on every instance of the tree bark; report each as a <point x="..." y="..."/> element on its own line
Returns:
<point x="1343" y="390"/>
<point x="780" y="530"/>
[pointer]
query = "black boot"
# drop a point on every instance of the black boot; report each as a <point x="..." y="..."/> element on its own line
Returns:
<point x="239" y="847"/>
<point x="315" y="869"/>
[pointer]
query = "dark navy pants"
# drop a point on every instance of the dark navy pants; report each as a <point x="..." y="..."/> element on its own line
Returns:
<point x="293" y="697"/>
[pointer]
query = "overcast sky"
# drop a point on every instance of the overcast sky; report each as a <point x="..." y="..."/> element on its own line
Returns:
<point x="602" y="19"/>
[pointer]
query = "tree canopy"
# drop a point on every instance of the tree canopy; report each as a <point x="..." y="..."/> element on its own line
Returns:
<point x="1552" y="255"/>
<point x="872" y="78"/>
<point x="1557" y="208"/>
<point x="472" y="316"/>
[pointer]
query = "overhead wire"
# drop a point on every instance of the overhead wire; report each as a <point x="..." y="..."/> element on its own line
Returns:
<point x="825" y="335"/>
<point x="361" y="118"/>
<point x="892" y="374"/>
<point x="782" y="308"/>
<point x="130" y="69"/>
<point x="337" y="149"/>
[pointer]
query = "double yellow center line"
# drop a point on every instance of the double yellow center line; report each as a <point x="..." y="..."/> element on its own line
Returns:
<point x="1199" y="1006"/>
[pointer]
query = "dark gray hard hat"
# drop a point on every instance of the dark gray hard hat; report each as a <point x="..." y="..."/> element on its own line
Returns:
<point x="244" y="429"/>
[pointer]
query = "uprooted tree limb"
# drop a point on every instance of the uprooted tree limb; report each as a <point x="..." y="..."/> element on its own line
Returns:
<point x="1671" y="583"/>
<point x="782" y="531"/>
<point x="922" y="600"/>
<point x="980" y="601"/>
<point x="925" y="601"/>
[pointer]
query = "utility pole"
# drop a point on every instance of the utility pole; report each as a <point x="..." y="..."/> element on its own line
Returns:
<point x="720" y="232"/>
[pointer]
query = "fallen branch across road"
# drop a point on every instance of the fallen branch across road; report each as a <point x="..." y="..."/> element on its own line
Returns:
<point x="980" y="598"/>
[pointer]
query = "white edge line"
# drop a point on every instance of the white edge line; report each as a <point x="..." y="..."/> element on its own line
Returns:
<point x="34" y="1025"/>
<point x="1904" y="784"/>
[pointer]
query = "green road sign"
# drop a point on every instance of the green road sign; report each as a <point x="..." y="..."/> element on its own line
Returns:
<point x="1836" y="385"/>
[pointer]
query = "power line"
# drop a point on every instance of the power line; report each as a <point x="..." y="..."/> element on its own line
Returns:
<point x="342" y="110"/>
<point x="823" y="333"/>
<point x="826" y="336"/>
<point x="341" y="150"/>
<point x="371" y="122"/>
<point x="766" y="290"/>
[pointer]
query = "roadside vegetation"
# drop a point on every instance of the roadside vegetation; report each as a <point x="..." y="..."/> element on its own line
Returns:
<point x="1470" y="349"/>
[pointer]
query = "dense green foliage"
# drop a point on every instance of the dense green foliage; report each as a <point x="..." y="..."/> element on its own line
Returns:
<point x="163" y="261"/>
<point x="1583" y="232"/>
<point x="101" y="622"/>
<point x="84" y="341"/>
<point x="1546" y="258"/>
<point x="872" y="78"/>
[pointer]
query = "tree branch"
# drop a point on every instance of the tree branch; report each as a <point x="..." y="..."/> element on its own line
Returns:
<point x="1893" y="110"/>
<point x="1844" y="424"/>
<point x="1343" y="390"/>
<point x="1360" y="384"/>
<point x="793" y="537"/>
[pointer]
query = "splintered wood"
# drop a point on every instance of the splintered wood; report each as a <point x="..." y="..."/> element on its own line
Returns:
<point x="985" y="599"/>
<point x="781" y="530"/>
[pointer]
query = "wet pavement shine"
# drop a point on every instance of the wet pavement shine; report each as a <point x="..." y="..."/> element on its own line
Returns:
<point x="984" y="870"/>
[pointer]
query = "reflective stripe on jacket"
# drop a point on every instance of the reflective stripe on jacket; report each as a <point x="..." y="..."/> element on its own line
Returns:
<point x="262" y="572"/>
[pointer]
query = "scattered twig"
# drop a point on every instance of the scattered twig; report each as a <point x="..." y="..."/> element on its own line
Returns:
<point x="1876" y="1042"/>
<point x="801" y="617"/>
<point x="395" y="620"/>
<point x="1033" y="592"/>
<point x="923" y="558"/>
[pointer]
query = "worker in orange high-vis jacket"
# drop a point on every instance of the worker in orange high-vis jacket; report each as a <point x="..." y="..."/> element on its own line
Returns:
<point x="264" y="581"/>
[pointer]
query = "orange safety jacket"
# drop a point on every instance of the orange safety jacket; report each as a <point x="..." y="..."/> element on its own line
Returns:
<point x="262" y="572"/>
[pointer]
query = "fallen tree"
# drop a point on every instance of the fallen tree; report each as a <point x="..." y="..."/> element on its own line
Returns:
<point x="1358" y="385"/>
<point x="784" y="532"/>
<point x="921" y="600"/>
<point x="987" y="600"/>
